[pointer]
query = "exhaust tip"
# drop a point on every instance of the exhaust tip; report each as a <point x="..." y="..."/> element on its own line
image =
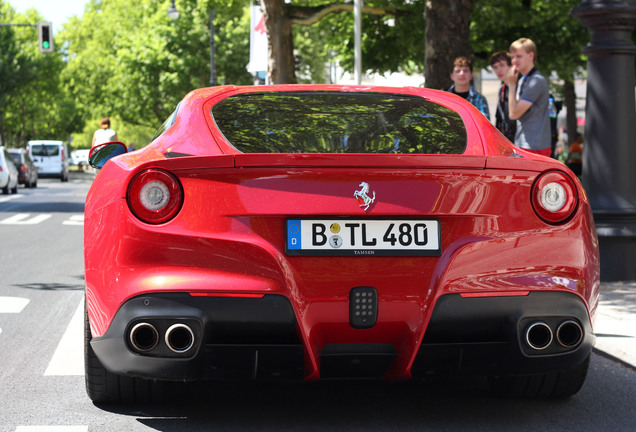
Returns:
<point x="179" y="338"/>
<point x="569" y="334"/>
<point x="539" y="335"/>
<point x="144" y="337"/>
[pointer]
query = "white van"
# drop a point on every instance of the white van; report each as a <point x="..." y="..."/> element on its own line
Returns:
<point x="51" y="158"/>
<point x="79" y="158"/>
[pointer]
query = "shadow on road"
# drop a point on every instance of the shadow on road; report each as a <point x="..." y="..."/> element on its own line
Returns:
<point x="443" y="405"/>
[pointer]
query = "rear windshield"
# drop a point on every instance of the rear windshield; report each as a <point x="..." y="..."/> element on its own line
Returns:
<point x="339" y="122"/>
<point x="17" y="157"/>
<point x="45" y="150"/>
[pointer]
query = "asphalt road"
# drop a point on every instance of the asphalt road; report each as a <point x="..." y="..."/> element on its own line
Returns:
<point x="41" y="361"/>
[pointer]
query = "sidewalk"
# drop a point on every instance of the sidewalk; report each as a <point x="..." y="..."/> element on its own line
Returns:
<point x="615" y="326"/>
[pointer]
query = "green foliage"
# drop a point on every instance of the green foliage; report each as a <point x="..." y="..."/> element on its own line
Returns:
<point x="123" y="59"/>
<point x="233" y="48"/>
<point x="140" y="66"/>
<point x="127" y="60"/>
<point x="558" y="36"/>
<point x="33" y="103"/>
<point x="389" y="43"/>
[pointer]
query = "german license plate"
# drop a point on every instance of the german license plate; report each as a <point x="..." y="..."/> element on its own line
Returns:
<point x="357" y="237"/>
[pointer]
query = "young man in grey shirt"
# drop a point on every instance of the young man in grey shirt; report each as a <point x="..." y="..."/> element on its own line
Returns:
<point x="528" y="99"/>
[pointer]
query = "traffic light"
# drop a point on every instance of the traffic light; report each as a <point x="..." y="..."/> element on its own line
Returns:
<point x="45" y="37"/>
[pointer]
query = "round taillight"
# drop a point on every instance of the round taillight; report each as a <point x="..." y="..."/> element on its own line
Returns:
<point x="155" y="196"/>
<point x="554" y="197"/>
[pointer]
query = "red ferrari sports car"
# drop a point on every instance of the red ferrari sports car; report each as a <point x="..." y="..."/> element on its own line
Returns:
<point x="334" y="232"/>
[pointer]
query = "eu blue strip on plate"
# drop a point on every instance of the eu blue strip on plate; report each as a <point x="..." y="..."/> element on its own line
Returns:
<point x="293" y="234"/>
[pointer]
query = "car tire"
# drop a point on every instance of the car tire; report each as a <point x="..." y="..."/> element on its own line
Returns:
<point x="105" y="387"/>
<point x="5" y="190"/>
<point x="552" y="385"/>
<point x="14" y="190"/>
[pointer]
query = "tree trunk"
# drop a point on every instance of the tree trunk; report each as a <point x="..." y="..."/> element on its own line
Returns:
<point x="447" y="37"/>
<point x="570" y="105"/>
<point x="281" y="42"/>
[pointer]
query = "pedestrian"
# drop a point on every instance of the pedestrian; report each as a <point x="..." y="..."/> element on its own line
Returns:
<point x="500" y="62"/>
<point x="528" y="99"/>
<point x="462" y="77"/>
<point x="104" y="134"/>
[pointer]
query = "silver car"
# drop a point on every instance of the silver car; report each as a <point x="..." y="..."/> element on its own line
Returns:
<point x="8" y="173"/>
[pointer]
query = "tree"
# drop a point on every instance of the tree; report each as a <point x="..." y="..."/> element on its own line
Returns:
<point x="279" y="18"/>
<point x="138" y="68"/>
<point x="8" y="63"/>
<point x="447" y="37"/>
<point x="33" y="102"/>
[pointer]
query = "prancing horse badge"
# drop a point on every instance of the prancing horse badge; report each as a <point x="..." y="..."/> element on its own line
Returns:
<point x="363" y="195"/>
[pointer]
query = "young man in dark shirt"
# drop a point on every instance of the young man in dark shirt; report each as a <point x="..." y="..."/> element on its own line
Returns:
<point x="500" y="62"/>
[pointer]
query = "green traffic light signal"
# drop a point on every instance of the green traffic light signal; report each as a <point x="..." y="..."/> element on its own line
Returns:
<point x="45" y="37"/>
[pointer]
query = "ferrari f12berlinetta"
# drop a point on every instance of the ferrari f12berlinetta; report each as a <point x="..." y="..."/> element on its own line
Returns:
<point x="335" y="232"/>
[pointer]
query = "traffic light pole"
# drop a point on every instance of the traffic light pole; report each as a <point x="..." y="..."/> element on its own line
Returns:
<point x="45" y="34"/>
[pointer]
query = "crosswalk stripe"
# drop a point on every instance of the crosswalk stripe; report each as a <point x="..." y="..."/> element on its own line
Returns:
<point x="51" y="429"/>
<point x="74" y="220"/>
<point x="13" y="304"/>
<point x="68" y="358"/>
<point x="25" y="219"/>
<point x="9" y="198"/>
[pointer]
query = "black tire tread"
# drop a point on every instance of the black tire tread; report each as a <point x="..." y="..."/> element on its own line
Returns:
<point x="106" y="387"/>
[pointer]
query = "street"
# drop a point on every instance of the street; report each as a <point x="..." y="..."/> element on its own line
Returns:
<point x="41" y="358"/>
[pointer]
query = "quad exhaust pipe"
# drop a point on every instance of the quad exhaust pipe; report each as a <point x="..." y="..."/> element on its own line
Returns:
<point x="144" y="337"/>
<point x="179" y="338"/>
<point x="539" y="335"/>
<point x="569" y="334"/>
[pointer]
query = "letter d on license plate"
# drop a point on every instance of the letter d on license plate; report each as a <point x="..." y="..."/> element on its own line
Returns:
<point x="360" y="237"/>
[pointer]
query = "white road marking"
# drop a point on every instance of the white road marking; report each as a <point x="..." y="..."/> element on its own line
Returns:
<point x="51" y="429"/>
<point x="13" y="304"/>
<point x="25" y="219"/>
<point x="10" y="197"/>
<point x="68" y="358"/>
<point x="74" y="220"/>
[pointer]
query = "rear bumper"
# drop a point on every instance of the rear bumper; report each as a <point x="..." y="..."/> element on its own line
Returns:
<point x="489" y="335"/>
<point x="259" y="338"/>
<point x="234" y="338"/>
<point x="50" y="174"/>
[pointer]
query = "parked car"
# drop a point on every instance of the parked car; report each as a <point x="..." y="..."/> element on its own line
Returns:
<point x="79" y="158"/>
<point x="8" y="172"/>
<point x="335" y="232"/>
<point x="50" y="157"/>
<point x="27" y="171"/>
